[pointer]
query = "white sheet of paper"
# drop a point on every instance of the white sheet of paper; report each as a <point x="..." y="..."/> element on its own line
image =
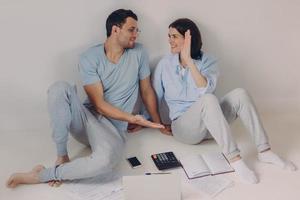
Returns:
<point x="212" y="185"/>
<point x="96" y="188"/>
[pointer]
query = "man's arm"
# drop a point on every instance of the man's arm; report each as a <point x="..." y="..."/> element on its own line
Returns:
<point x="95" y="94"/>
<point x="149" y="99"/>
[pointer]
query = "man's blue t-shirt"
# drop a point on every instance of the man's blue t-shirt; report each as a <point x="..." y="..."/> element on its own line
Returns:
<point x="120" y="81"/>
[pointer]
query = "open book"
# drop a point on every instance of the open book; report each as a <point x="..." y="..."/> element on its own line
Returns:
<point x="212" y="163"/>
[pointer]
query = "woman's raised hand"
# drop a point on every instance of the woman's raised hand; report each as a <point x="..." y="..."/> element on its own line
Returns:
<point x="185" y="53"/>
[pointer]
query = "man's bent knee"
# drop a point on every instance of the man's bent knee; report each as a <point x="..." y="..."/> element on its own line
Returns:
<point x="59" y="87"/>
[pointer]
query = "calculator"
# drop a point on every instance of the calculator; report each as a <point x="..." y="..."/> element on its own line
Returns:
<point x="165" y="160"/>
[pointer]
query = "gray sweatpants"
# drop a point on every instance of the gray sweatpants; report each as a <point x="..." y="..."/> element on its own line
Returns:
<point x="209" y="116"/>
<point x="69" y="115"/>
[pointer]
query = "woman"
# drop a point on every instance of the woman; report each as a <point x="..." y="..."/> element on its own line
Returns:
<point x="187" y="79"/>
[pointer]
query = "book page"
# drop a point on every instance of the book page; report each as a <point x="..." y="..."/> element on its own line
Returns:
<point x="217" y="163"/>
<point x="194" y="166"/>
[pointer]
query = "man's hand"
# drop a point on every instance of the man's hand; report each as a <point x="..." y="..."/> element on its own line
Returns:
<point x="139" y="120"/>
<point x="167" y="130"/>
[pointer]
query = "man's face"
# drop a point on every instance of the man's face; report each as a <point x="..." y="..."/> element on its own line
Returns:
<point x="128" y="33"/>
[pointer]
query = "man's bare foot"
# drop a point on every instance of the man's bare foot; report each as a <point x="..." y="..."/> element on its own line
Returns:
<point x="60" y="160"/>
<point x="31" y="177"/>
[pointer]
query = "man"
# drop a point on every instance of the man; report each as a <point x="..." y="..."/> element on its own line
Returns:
<point x="112" y="74"/>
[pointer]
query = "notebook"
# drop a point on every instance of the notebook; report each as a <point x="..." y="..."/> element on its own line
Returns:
<point x="150" y="187"/>
<point x="211" y="163"/>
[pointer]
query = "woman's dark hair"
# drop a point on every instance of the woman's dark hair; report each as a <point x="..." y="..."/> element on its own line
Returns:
<point x="184" y="24"/>
<point x="118" y="18"/>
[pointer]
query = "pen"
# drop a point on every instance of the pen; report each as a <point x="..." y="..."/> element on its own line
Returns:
<point x="154" y="173"/>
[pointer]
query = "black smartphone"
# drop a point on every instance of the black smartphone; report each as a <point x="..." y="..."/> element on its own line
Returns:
<point x="134" y="162"/>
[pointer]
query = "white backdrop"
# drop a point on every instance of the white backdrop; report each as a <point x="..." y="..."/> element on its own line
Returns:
<point x="256" y="41"/>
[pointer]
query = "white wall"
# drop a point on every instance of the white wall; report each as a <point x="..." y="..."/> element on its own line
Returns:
<point x="256" y="41"/>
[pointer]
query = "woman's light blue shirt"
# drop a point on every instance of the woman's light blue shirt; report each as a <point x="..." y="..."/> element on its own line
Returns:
<point x="179" y="89"/>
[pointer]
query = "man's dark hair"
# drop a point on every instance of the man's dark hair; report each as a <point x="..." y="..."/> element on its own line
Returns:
<point x="118" y="18"/>
<point x="184" y="24"/>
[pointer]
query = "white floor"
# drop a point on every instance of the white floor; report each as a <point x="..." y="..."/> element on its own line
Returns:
<point x="20" y="151"/>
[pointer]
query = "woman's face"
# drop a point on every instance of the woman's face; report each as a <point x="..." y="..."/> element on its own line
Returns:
<point x="176" y="40"/>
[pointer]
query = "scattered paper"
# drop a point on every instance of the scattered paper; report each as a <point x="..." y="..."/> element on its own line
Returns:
<point x="96" y="188"/>
<point x="211" y="185"/>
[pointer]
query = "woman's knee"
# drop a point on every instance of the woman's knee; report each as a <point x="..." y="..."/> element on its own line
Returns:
<point x="241" y="94"/>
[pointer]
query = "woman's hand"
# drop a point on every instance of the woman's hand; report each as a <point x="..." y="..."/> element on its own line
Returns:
<point x="185" y="53"/>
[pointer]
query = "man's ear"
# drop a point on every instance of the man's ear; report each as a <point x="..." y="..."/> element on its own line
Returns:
<point x="115" y="29"/>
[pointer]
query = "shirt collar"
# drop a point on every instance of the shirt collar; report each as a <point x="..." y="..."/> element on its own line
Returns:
<point x="175" y="62"/>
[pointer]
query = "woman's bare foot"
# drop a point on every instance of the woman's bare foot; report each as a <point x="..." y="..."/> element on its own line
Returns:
<point x="31" y="177"/>
<point x="60" y="160"/>
<point x="131" y="128"/>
